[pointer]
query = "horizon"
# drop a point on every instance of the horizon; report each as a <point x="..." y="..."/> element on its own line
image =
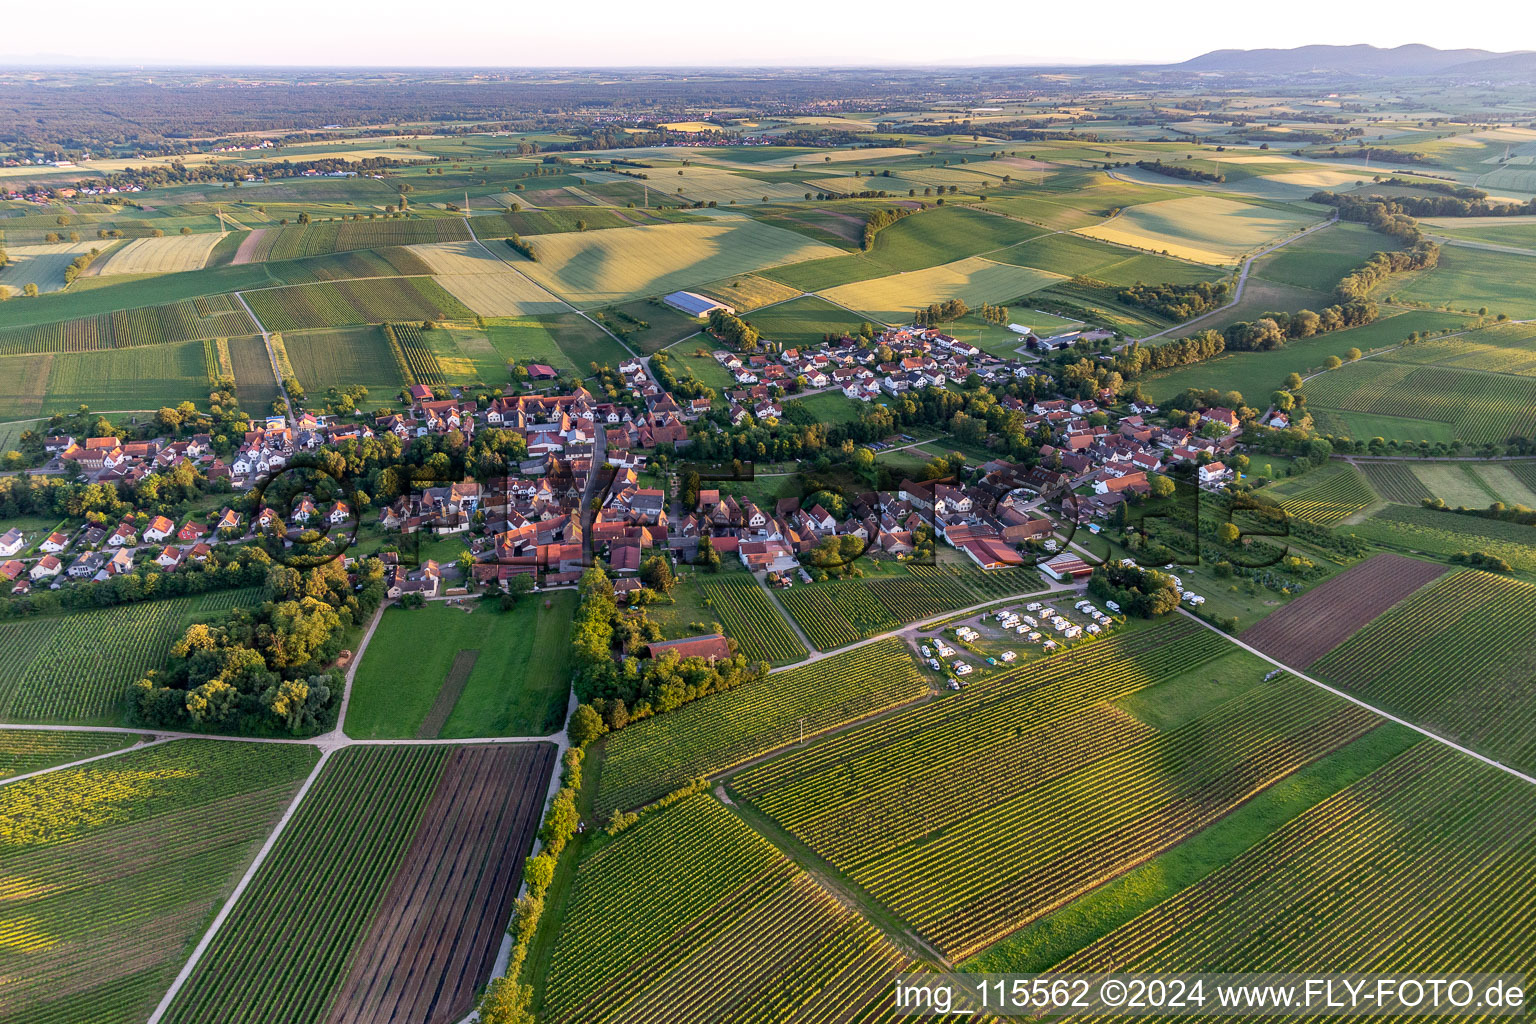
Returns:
<point x="694" y="35"/>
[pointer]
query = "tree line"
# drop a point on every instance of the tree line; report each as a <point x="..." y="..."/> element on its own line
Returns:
<point x="1178" y="302"/>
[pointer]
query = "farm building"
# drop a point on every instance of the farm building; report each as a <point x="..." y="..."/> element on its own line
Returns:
<point x="991" y="554"/>
<point x="711" y="647"/>
<point x="695" y="304"/>
<point x="1067" y="566"/>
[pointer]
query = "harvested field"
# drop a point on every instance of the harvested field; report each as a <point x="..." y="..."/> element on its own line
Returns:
<point x="484" y="282"/>
<point x="448" y="696"/>
<point x="433" y="943"/>
<point x="161" y="255"/>
<point x="974" y="280"/>
<point x="598" y="268"/>
<point x="42" y="265"/>
<point x="1205" y="229"/>
<point x="1324" y="617"/>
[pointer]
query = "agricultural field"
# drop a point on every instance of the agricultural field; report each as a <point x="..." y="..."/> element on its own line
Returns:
<point x="1328" y="614"/>
<point x="296" y="241"/>
<point x="168" y="255"/>
<point x="126" y="378"/>
<point x="342" y="357"/>
<point x="806" y="320"/>
<point x="1454" y="657"/>
<point x="255" y="385"/>
<point x="839" y="612"/>
<point x="599" y="268"/>
<point x="1434" y="842"/>
<point x="1323" y="257"/>
<point x="1469" y="405"/>
<point x="926" y="239"/>
<point x="349" y="303"/>
<point x="334" y="918"/>
<point x="1204" y="229"/>
<point x="28" y="750"/>
<point x="690" y="896"/>
<point x="80" y="665"/>
<point x="654" y="756"/>
<point x="42" y="265"/>
<point x="1394" y="481"/>
<point x="1444" y="533"/>
<point x="751" y="619"/>
<point x="1324" y="496"/>
<point x="125" y="861"/>
<point x="973" y="280"/>
<point x="1472" y="484"/>
<point x="484" y="282"/>
<point x="213" y="317"/>
<point x="510" y="692"/>
<point x="696" y="183"/>
<point x="1503" y="348"/>
<point x="1069" y="255"/>
<point x="1514" y="232"/>
<point x="1470" y="279"/>
<point x="1256" y="374"/>
<point x="1042" y="813"/>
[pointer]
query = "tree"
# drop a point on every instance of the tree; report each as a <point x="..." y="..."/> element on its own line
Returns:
<point x="506" y="1002"/>
<point x="1228" y="533"/>
<point x="1162" y="486"/>
<point x="1333" y="362"/>
<point x="585" y="725"/>
<point x="708" y="556"/>
<point x="656" y="573"/>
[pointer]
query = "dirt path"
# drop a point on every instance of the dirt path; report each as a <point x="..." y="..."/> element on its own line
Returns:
<point x="1369" y="707"/>
<point x="240" y="887"/>
<point x="266" y="340"/>
<point x="1242" y="279"/>
<point x="141" y="745"/>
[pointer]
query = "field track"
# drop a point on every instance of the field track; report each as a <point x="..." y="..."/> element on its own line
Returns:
<point x="435" y="938"/>
<point x="1327" y="615"/>
<point x="448" y="696"/>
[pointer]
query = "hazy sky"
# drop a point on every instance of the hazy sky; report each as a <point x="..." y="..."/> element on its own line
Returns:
<point x="696" y="32"/>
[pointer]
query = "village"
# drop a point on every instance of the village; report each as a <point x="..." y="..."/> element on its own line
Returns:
<point x="584" y="488"/>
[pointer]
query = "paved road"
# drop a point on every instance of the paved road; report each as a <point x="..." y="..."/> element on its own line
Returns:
<point x="1242" y="279"/>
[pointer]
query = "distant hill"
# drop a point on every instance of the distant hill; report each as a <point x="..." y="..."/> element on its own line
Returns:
<point x="1360" y="59"/>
